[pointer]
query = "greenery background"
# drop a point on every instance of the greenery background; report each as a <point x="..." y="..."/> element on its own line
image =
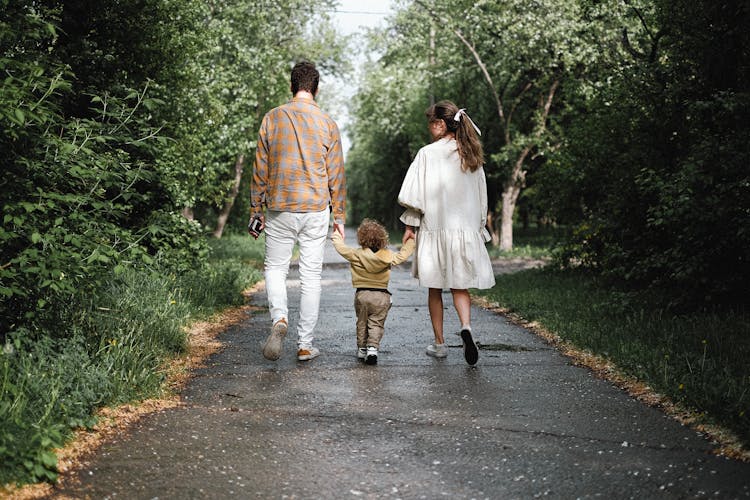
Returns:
<point x="615" y="131"/>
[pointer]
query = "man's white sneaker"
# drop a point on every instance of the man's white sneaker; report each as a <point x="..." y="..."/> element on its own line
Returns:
<point x="437" y="350"/>
<point x="372" y="356"/>
<point x="307" y="353"/>
<point x="361" y="353"/>
<point x="275" y="341"/>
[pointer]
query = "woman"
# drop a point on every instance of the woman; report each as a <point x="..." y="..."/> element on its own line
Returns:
<point x="445" y="195"/>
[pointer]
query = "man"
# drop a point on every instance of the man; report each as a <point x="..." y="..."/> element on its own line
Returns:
<point x="299" y="177"/>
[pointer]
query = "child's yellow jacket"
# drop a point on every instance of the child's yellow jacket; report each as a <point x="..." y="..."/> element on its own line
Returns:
<point x="371" y="269"/>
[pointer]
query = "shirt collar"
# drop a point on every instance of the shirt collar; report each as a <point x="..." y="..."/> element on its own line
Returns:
<point x="304" y="100"/>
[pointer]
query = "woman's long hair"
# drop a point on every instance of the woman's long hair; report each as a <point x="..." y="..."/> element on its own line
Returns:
<point x="467" y="139"/>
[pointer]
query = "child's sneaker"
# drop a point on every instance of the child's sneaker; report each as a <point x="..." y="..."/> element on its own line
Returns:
<point x="437" y="350"/>
<point x="307" y="353"/>
<point x="274" y="342"/>
<point x="361" y="353"/>
<point x="471" y="353"/>
<point x="372" y="356"/>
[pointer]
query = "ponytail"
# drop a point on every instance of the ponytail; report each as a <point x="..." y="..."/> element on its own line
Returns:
<point x="469" y="146"/>
<point x="467" y="133"/>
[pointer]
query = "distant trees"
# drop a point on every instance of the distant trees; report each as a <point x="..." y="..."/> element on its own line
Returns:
<point x="654" y="179"/>
<point x="508" y="61"/>
<point x="630" y="119"/>
<point x="116" y="117"/>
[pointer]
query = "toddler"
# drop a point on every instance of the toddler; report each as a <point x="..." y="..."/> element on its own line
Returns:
<point x="371" y="271"/>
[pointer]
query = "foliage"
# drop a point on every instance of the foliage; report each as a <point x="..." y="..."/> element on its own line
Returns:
<point x="699" y="359"/>
<point x="80" y="195"/>
<point x="385" y="137"/>
<point x="655" y="173"/>
<point x="110" y="350"/>
<point x="114" y="116"/>
<point x="533" y="242"/>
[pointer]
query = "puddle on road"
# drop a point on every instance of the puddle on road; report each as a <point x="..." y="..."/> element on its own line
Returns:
<point x="500" y="347"/>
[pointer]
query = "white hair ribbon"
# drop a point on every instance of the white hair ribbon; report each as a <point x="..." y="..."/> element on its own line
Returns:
<point x="462" y="111"/>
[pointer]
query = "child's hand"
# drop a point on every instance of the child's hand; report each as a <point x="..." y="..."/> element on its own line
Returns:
<point x="338" y="228"/>
<point x="408" y="234"/>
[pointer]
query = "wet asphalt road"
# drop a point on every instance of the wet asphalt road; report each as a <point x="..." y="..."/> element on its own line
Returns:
<point x="522" y="423"/>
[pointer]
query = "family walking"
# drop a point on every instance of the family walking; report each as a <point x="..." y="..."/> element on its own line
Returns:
<point x="299" y="179"/>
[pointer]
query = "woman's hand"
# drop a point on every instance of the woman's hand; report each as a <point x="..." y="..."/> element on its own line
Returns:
<point x="408" y="234"/>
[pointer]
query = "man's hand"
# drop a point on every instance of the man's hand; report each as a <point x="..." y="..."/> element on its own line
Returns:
<point x="408" y="234"/>
<point x="339" y="228"/>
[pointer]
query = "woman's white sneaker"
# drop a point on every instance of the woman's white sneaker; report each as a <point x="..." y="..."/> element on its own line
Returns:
<point x="437" y="350"/>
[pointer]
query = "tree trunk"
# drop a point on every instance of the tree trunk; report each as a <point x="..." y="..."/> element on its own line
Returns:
<point x="511" y="190"/>
<point x="229" y="203"/>
<point x="491" y="227"/>
<point x="187" y="212"/>
<point x="510" y="197"/>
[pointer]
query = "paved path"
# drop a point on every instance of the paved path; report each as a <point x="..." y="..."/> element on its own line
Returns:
<point x="523" y="423"/>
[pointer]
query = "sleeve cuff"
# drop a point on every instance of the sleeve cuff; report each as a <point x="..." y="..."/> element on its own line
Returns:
<point x="411" y="217"/>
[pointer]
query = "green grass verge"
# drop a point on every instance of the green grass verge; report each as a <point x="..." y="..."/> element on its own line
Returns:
<point x="699" y="360"/>
<point x="111" y="349"/>
<point x="533" y="242"/>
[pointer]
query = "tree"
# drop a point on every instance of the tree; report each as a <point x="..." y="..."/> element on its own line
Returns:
<point x="510" y="60"/>
<point x="81" y="196"/>
<point x="657" y="154"/>
<point x="241" y="70"/>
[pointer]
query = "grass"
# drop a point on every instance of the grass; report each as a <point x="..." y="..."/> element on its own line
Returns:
<point x="698" y="360"/>
<point x="533" y="242"/>
<point x="111" y="349"/>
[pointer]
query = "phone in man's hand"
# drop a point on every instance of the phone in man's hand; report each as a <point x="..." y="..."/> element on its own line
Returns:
<point x="254" y="228"/>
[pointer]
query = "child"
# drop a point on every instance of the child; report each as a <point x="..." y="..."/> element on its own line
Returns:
<point x="371" y="271"/>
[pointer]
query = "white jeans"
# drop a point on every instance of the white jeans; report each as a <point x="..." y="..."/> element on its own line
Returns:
<point x="309" y="231"/>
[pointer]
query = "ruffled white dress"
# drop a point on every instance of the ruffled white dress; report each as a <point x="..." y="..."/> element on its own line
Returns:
<point x="449" y="206"/>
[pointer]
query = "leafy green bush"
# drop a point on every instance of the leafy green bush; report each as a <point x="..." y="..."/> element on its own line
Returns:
<point x="81" y="195"/>
<point x="654" y="177"/>
<point x="111" y="350"/>
<point x="48" y="387"/>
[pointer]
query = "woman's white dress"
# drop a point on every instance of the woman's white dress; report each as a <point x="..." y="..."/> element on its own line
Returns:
<point x="449" y="206"/>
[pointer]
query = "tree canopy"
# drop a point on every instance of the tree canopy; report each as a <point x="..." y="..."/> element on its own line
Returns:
<point x="115" y="117"/>
<point x="627" y="122"/>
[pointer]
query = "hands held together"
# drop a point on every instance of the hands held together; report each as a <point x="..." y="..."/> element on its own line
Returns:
<point x="408" y="234"/>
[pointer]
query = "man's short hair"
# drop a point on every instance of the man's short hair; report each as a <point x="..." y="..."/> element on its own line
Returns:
<point x="305" y="77"/>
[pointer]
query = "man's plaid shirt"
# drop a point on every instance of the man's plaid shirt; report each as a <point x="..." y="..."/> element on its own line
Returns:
<point x="299" y="165"/>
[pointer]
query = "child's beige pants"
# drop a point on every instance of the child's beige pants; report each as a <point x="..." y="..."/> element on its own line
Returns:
<point x="372" y="308"/>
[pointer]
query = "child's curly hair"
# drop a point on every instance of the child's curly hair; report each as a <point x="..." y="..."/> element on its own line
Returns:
<point x="371" y="234"/>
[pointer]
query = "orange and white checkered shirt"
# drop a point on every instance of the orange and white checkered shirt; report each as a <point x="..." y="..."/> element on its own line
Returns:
<point x="299" y="164"/>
